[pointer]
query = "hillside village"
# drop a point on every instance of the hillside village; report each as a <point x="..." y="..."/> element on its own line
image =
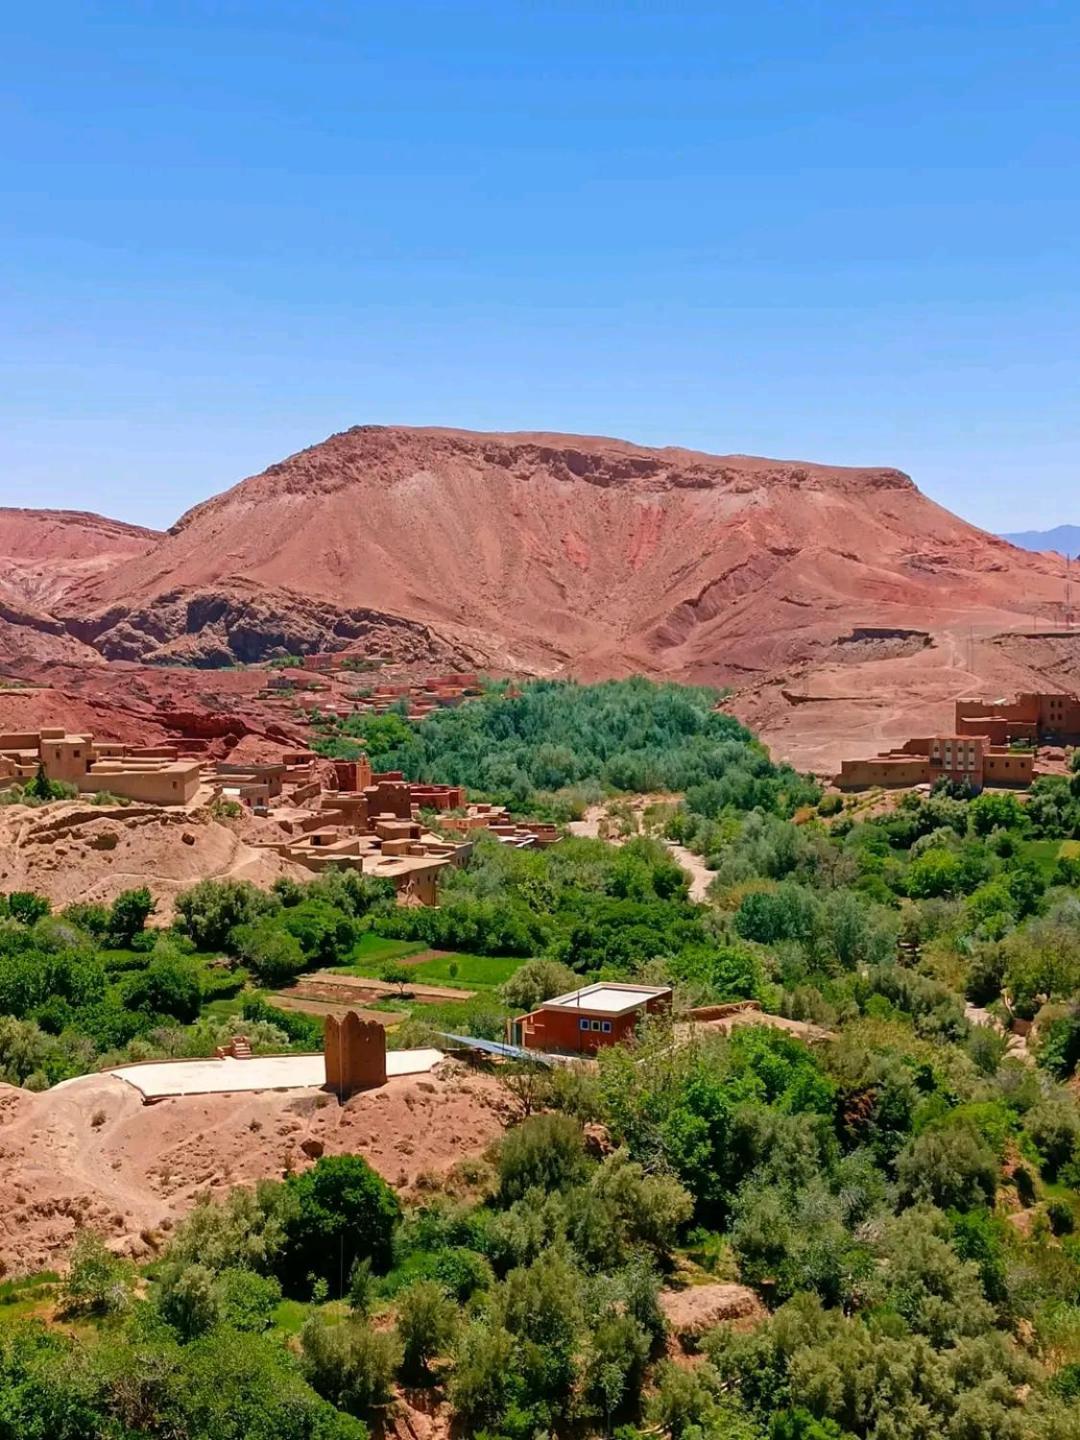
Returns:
<point x="438" y="982"/>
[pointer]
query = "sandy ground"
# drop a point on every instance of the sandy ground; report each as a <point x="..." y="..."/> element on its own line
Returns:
<point x="78" y="851"/>
<point x="698" y="1308"/>
<point x="91" y="1153"/>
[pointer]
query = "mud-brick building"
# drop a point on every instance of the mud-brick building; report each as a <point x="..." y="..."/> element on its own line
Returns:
<point x="152" y="774"/>
<point x="1043" y="718"/>
<point x="587" y="1020"/>
<point x="968" y="759"/>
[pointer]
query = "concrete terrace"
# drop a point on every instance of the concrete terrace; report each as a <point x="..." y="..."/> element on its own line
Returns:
<point x="161" y="1079"/>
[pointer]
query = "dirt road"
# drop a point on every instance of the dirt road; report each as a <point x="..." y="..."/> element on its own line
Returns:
<point x="591" y="824"/>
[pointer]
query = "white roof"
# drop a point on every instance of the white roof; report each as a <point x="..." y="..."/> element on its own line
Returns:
<point x="158" y="1079"/>
<point x="610" y="999"/>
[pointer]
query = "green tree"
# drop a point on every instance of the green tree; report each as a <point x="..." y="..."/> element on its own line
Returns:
<point x="426" y="1325"/>
<point x="272" y="954"/>
<point x="343" y="1212"/>
<point x="545" y="1152"/>
<point x="168" y="986"/>
<point x="128" y="915"/>
<point x="210" y="911"/>
<point x="392" y="972"/>
<point x="26" y="906"/>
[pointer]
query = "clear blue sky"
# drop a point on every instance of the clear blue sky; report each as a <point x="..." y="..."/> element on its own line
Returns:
<point x="846" y="232"/>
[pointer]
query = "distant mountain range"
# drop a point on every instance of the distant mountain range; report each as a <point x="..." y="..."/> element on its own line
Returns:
<point x="1065" y="539"/>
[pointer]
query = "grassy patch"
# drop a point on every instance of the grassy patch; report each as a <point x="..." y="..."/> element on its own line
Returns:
<point x="289" y="1316"/>
<point x="469" y="972"/>
<point x="29" y="1295"/>
<point x="1043" y="853"/>
<point x="372" y="951"/>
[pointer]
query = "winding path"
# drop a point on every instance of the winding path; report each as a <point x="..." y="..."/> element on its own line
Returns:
<point x="700" y="875"/>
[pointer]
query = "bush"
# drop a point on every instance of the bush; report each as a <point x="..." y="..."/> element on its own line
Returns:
<point x="347" y="1362"/>
<point x="1054" y="1127"/>
<point x="189" y="1300"/>
<point x="247" y="1300"/>
<point x="97" y="1282"/>
<point x="535" y="982"/>
<point x="953" y="1169"/>
<point x="544" y="1153"/>
<point x="426" y="1325"/>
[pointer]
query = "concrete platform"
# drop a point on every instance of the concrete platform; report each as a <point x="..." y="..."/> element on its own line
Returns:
<point x="160" y="1079"/>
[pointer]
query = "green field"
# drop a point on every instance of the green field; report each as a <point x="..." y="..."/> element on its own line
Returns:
<point x="1046" y="853"/>
<point x="473" y="972"/>
<point x="371" y="951"/>
<point x="467" y="972"/>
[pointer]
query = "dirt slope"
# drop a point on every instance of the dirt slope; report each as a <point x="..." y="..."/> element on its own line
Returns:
<point x="78" y="851"/>
<point x="89" y="1152"/>
<point x="591" y="554"/>
<point x="43" y="553"/>
<point x="844" y="607"/>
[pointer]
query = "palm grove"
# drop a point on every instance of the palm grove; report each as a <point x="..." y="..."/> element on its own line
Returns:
<point x="902" y="1195"/>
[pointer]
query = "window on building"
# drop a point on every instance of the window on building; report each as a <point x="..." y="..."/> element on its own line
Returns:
<point x="584" y="1024"/>
<point x="607" y="1027"/>
<point x="596" y="1024"/>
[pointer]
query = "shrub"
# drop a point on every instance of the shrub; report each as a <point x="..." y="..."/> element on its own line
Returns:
<point x="97" y="1282"/>
<point x="347" y="1362"/>
<point x="543" y="1153"/>
<point x="426" y="1325"/>
<point x="953" y="1169"/>
<point x="537" y="981"/>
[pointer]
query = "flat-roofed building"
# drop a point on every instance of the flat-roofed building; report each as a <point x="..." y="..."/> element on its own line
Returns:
<point x="1046" y="717"/>
<point x="153" y="774"/>
<point x="588" y="1019"/>
<point x="965" y="759"/>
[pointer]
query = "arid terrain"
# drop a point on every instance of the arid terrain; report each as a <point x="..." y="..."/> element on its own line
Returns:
<point x="842" y="606"/>
<point x="89" y="1152"/>
<point x="81" y="851"/>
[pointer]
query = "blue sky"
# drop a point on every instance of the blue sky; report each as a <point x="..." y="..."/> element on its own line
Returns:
<point x="839" y="232"/>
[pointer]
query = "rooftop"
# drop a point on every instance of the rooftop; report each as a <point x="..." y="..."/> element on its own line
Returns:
<point x="610" y="999"/>
<point x="159" y="1079"/>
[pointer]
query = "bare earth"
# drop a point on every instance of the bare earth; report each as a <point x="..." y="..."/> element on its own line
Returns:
<point x="846" y="609"/>
<point x="78" y="851"/>
<point x="698" y="1308"/>
<point x="91" y="1153"/>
